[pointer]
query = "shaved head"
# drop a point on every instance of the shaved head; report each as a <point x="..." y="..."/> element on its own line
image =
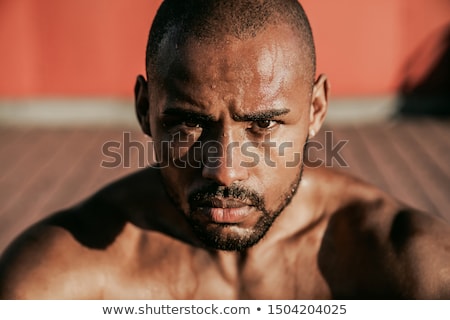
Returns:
<point x="209" y="21"/>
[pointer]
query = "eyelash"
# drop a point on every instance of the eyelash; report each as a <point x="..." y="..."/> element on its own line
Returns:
<point x="196" y="124"/>
<point x="187" y="126"/>
<point x="255" y="128"/>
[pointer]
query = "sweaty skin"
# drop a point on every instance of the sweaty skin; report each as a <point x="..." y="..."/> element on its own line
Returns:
<point x="332" y="235"/>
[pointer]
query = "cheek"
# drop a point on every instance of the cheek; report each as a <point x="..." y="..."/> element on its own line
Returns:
<point x="288" y="156"/>
<point x="177" y="166"/>
<point x="281" y="167"/>
<point x="286" y="152"/>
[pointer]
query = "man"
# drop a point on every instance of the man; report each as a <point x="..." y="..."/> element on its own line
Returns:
<point x="231" y="211"/>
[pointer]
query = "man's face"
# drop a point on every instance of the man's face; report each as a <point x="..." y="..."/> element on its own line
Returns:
<point x="230" y="120"/>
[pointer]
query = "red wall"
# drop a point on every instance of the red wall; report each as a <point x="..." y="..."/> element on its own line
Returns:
<point x="89" y="48"/>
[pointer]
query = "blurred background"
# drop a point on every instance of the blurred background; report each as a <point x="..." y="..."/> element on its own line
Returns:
<point x="67" y="71"/>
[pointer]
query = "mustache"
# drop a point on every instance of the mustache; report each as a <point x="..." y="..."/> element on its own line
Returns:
<point x="208" y="195"/>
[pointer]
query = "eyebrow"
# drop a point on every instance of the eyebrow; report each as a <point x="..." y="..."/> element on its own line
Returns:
<point x="261" y="115"/>
<point x="187" y="114"/>
<point x="254" y="116"/>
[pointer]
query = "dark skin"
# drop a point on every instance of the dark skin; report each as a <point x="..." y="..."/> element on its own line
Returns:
<point x="337" y="237"/>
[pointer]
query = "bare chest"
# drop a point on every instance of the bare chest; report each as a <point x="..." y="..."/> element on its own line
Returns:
<point x="198" y="275"/>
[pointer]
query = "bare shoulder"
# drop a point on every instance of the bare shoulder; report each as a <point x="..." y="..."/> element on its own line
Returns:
<point x="42" y="263"/>
<point x="62" y="256"/>
<point x="71" y="254"/>
<point x="420" y="244"/>
<point x="55" y="258"/>
<point x="375" y="247"/>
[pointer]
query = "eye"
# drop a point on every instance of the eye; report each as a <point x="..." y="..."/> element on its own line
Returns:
<point x="264" y="124"/>
<point x="191" y="124"/>
<point x="261" y="125"/>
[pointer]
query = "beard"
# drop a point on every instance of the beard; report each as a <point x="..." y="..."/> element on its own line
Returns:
<point x="224" y="236"/>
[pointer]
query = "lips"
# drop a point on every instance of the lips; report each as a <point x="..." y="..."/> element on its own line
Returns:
<point x="224" y="211"/>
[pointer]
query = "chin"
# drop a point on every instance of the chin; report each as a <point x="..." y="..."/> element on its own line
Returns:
<point x="231" y="237"/>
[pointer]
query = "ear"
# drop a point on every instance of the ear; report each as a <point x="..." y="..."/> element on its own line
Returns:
<point x="142" y="104"/>
<point x="319" y="104"/>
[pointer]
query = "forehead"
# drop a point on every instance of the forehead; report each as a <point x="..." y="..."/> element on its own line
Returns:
<point x="265" y="66"/>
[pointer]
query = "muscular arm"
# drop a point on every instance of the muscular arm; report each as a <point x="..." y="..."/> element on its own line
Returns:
<point x="421" y="246"/>
<point x="376" y="250"/>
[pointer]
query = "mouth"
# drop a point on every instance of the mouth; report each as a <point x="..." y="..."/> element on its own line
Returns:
<point x="224" y="211"/>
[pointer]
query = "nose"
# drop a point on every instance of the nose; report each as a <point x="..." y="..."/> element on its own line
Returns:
<point x="222" y="160"/>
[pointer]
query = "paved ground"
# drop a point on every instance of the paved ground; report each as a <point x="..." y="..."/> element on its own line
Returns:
<point x="44" y="170"/>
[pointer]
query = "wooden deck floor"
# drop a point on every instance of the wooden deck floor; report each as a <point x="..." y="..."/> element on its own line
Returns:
<point x="44" y="170"/>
